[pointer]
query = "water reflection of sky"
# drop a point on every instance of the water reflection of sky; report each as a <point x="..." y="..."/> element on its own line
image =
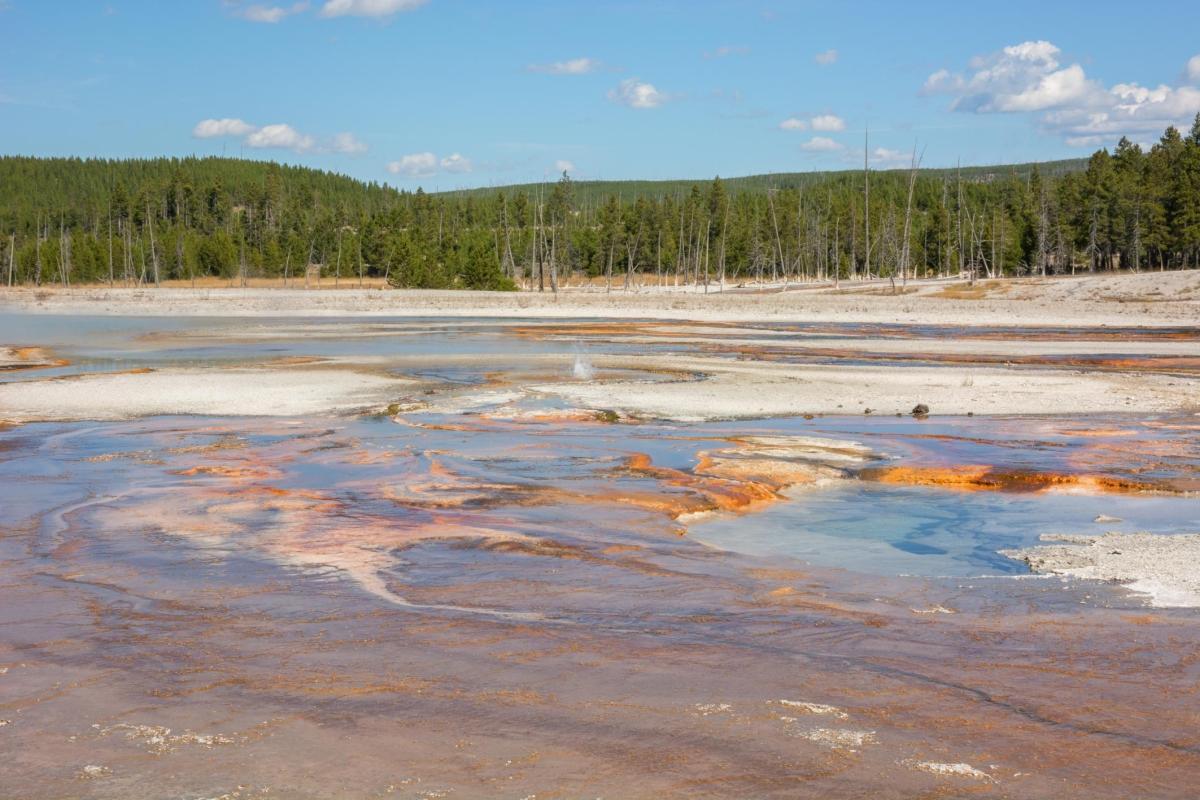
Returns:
<point x="898" y="530"/>
<point x="858" y="525"/>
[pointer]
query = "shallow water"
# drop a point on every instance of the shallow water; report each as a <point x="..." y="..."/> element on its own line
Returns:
<point x="907" y="530"/>
<point x="523" y="599"/>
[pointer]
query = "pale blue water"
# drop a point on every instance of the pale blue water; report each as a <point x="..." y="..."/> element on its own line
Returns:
<point x="863" y="526"/>
<point x="917" y="530"/>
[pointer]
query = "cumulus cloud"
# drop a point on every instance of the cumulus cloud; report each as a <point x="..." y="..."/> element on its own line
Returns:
<point x="826" y="58"/>
<point x="1193" y="68"/>
<point x="213" y="128"/>
<point x="282" y="137"/>
<point x="414" y="165"/>
<point x="1021" y="77"/>
<point x="633" y="93"/>
<point x="426" y="165"/>
<point x="1029" y="78"/>
<point x="726" y="50"/>
<point x="821" y="144"/>
<point x="368" y="8"/>
<point x="348" y="143"/>
<point x="562" y="165"/>
<point x="456" y="162"/>
<point x="1130" y="110"/>
<point x="828" y="123"/>
<point x="886" y="157"/>
<point x="574" y="66"/>
<point x="279" y="136"/>
<point x="270" y="14"/>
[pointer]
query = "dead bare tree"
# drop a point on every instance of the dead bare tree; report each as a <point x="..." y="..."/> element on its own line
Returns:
<point x="358" y="242"/>
<point x="142" y="259"/>
<point x="867" y="200"/>
<point x="721" y="256"/>
<point x="553" y="257"/>
<point x="631" y="257"/>
<point x="308" y="263"/>
<point x="658" y="258"/>
<point x="958" y="212"/>
<point x="1043" y="232"/>
<point x="912" y="182"/>
<point x="337" y="275"/>
<point x="153" y="249"/>
<point x="507" y="263"/>
<point x="778" y="241"/>
<point x="37" y="271"/>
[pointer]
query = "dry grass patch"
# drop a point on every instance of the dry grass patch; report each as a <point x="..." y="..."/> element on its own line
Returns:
<point x="977" y="291"/>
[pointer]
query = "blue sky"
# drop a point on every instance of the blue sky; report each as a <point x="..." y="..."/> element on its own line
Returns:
<point x="449" y="93"/>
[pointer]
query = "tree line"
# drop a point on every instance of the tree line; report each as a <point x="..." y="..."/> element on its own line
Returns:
<point x="142" y="222"/>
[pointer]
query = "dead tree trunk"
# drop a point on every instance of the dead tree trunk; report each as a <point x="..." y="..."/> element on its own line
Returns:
<point x="912" y="182"/>
<point x="153" y="249"/>
<point x="775" y="225"/>
<point x="867" y="202"/>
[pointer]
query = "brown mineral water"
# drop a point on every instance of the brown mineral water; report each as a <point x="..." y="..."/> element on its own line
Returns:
<point x="502" y="596"/>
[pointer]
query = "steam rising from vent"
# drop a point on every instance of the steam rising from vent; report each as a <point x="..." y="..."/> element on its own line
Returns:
<point x="583" y="369"/>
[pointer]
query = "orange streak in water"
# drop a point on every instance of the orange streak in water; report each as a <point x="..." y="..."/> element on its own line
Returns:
<point x="981" y="477"/>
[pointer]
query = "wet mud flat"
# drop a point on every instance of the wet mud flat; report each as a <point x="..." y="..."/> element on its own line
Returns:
<point x="490" y="593"/>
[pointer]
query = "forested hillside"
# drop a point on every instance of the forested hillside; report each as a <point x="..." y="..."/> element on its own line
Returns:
<point x="592" y="192"/>
<point x="67" y="221"/>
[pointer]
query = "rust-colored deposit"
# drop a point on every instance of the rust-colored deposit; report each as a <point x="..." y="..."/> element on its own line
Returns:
<point x="983" y="477"/>
<point x="29" y="358"/>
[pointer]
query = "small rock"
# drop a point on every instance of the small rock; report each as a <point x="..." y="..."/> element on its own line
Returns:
<point x="920" y="410"/>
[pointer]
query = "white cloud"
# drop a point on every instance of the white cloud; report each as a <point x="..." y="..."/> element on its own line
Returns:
<point x="635" y="94"/>
<point x="943" y="82"/>
<point x="574" y="66"/>
<point x="1021" y="77"/>
<point x="456" y="162"/>
<point x="821" y="144"/>
<point x="726" y="50"/>
<point x="1028" y="78"/>
<point x="348" y="143"/>
<point x="828" y="123"/>
<point x="270" y="14"/>
<point x="562" y="165"/>
<point x="280" y="136"/>
<point x="212" y="128"/>
<point x="368" y="8"/>
<point x="1193" y="68"/>
<point x="426" y="165"/>
<point x="886" y="157"/>
<point x="826" y="58"/>
<point x="415" y="165"/>
<point x="1132" y="110"/>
